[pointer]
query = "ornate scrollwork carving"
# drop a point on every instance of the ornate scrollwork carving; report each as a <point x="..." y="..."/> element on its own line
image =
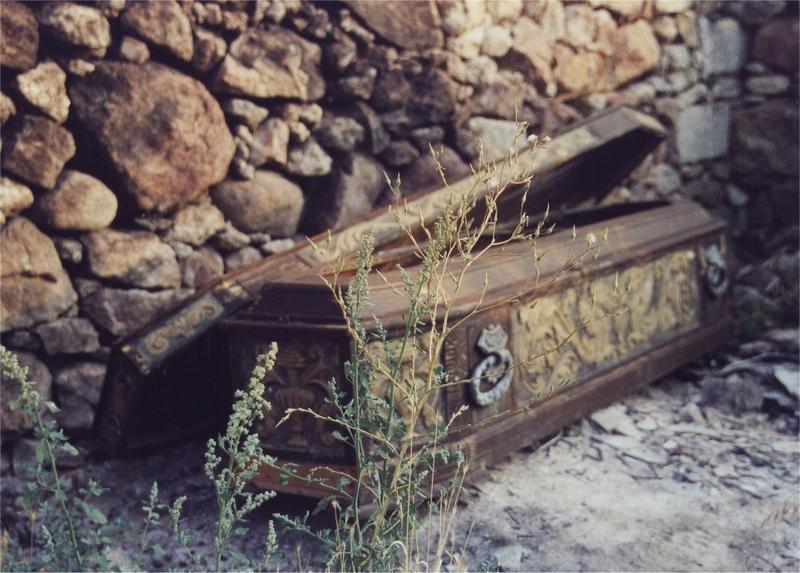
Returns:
<point x="491" y="377"/>
<point x="592" y="325"/>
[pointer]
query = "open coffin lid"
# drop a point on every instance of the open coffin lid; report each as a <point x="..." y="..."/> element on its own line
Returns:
<point x="171" y="378"/>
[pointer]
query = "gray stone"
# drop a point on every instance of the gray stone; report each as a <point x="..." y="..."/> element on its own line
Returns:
<point x="84" y="379"/>
<point x="399" y="153"/>
<point x="195" y="224"/>
<point x="357" y="85"/>
<point x="270" y="143"/>
<point x="702" y="132"/>
<point x="353" y="189"/>
<point x="425" y="136"/>
<point x="509" y="557"/>
<point x="231" y="239"/>
<point x="726" y="87"/>
<point x="662" y="179"/>
<point x="133" y="50"/>
<point x="209" y="49"/>
<point x="35" y="287"/>
<point x="422" y="174"/>
<point x="272" y="63"/>
<point x="767" y="85"/>
<point x="14" y="198"/>
<point x="410" y="25"/>
<point x="20" y="33"/>
<point x="676" y="56"/>
<point x="70" y="250"/>
<point x="163" y="24"/>
<point x="267" y="203"/>
<point x="724" y="46"/>
<point x="79" y="202"/>
<point x="339" y="133"/>
<point x="496" y="136"/>
<point x="77" y="25"/>
<point x="37" y="150"/>
<point x="754" y="12"/>
<point x="201" y="267"/>
<point x="246" y="112"/>
<point x="241" y="258"/>
<point x="277" y="246"/>
<point x="122" y="311"/>
<point x="68" y="336"/>
<point x="44" y="87"/>
<point x="136" y="258"/>
<point x="309" y="160"/>
<point x="765" y="141"/>
<point x="377" y="137"/>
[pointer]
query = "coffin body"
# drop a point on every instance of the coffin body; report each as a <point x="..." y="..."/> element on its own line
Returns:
<point x="560" y="343"/>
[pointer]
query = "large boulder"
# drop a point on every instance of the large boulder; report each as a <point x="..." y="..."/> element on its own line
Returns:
<point x="355" y="185"/>
<point x="20" y="34"/>
<point x="123" y="311"/>
<point x="165" y="136"/>
<point x="636" y="52"/>
<point x="37" y="150"/>
<point x="35" y="287"/>
<point x="764" y="140"/>
<point x="77" y="25"/>
<point x="79" y="202"/>
<point x="161" y="23"/>
<point x="266" y="203"/>
<point x="135" y="258"/>
<point x="410" y="25"/>
<point x="272" y="63"/>
<point x="776" y="44"/>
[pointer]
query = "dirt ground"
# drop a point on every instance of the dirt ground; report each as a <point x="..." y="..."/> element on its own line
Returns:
<point x="674" y="477"/>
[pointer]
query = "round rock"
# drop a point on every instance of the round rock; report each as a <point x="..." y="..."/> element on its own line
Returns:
<point x="79" y="202"/>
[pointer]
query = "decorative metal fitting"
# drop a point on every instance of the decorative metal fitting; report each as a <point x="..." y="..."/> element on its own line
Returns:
<point x="716" y="271"/>
<point x="491" y="377"/>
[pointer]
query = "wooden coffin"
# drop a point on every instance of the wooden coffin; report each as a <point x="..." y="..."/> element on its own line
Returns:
<point x="671" y="255"/>
<point x="174" y="377"/>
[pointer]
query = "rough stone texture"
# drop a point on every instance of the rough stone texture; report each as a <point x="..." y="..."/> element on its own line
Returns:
<point x="246" y="112"/>
<point x="765" y="141"/>
<point x="267" y="203"/>
<point x="161" y="23"/>
<point x="35" y="287"/>
<point x="357" y="182"/>
<point x="195" y="224"/>
<point x="339" y="133"/>
<point x="84" y="379"/>
<point x="272" y="63"/>
<point x="37" y="150"/>
<point x="7" y="108"/>
<point x="176" y="141"/>
<point x="133" y="50"/>
<point x="701" y="132"/>
<point x="14" y="421"/>
<point x="79" y="202"/>
<point x="201" y="267"/>
<point x="20" y="34"/>
<point x="209" y="49"/>
<point x="412" y="25"/>
<point x="309" y="160"/>
<point x="497" y="137"/>
<point x="270" y="143"/>
<point x="69" y="336"/>
<point x="120" y="312"/>
<point x="776" y="44"/>
<point x="724" y="46"/>
<point x="14" y="198"/>
<point x="241" y="258"/>
<point x="44" y="87"/>
<point x="768" y="85"/>
<point x="399" y="153"/>
<point x="77" y="25"/>
<point x="136" y="258"/>
<point x="636" y="52"/>
<point x="625" y="8"/>
<point x="577" y="71"/>
<point x="423" y="175"/>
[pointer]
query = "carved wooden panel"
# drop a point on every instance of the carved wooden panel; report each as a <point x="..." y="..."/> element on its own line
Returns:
<point x="560" y="338"/>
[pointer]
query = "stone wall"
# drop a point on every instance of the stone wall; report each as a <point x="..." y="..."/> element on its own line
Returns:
<point x="150" y="147"/>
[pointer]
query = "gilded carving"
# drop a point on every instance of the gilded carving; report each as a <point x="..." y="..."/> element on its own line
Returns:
<point x="300" y="380"/>
<point x="561" y="337"/>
